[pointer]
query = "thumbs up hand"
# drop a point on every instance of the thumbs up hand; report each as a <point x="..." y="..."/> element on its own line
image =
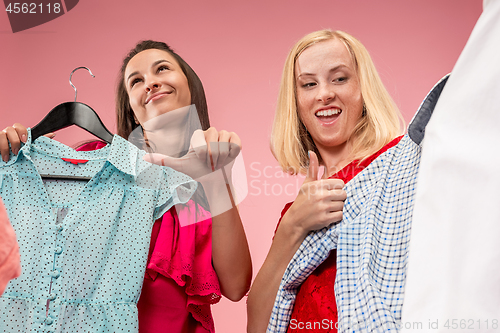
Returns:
<point x="319" y="202"/>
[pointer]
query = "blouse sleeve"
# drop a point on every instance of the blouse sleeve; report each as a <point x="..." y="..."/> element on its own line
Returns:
<point x="176" y="188"/>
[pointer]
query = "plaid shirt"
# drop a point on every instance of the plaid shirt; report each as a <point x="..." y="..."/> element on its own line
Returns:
<point x="371" y="241"/>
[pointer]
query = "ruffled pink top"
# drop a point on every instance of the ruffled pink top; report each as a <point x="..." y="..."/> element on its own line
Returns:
<point x="10" y="261"/>
<point x="180" y="282"/>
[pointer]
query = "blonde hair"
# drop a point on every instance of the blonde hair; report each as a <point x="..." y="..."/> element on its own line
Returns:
<point x="381" y="121"/>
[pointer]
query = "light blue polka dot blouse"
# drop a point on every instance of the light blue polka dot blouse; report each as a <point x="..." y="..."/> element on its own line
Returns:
<point x="83" y="244"/>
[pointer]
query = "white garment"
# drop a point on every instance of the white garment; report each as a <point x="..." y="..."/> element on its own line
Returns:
<point x="453" y="281"/>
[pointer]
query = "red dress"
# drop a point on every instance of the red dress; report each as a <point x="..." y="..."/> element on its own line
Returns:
<point x="180" y="283"/>
<point x="315" y="309"/>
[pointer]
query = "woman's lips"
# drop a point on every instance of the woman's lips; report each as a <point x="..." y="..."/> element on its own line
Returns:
<point x="156" y="96"/>
<point x="328" y="116"/>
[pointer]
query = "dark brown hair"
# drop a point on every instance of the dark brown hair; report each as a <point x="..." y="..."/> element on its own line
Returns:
<point x="125" y="116"/>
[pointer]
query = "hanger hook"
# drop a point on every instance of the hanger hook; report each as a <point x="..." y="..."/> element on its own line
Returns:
<point x="74" y="70"/>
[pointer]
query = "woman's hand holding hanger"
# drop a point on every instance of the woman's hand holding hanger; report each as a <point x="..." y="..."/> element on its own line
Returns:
<point x="14" y="135"/>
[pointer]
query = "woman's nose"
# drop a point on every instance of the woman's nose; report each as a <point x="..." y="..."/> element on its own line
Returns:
<point x="152" y="85"/>
<point x="325" y="94"/>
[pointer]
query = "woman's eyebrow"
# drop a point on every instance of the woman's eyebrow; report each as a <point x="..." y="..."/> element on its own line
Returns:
<point x="153" y="65"/>
<point x="331" y="70"/>
<point x="132" y="74"/>
<point x="159" y="62"/>
<point x="305" y="74"/>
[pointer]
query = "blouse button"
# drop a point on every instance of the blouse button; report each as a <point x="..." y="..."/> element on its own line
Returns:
<point x="55" y="273"/>
<point x="49" y="320"/>
<point x="60" y="228"/>
<point x="52" y="296"/>
<point x="59" y="250"/>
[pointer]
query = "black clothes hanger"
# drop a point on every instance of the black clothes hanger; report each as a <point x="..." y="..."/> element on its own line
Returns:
<point x="72" y="113"/>
<point x="67" y="114"/>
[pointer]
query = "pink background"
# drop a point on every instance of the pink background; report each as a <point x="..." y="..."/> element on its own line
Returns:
<point x="238" y="50"/>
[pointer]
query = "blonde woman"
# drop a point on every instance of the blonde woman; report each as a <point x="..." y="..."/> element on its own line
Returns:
<point x="334" y="111"/>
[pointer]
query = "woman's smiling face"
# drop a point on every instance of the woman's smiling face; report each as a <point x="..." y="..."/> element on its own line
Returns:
<point x="329" y="98"/>
<point x="155" y="84"/>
